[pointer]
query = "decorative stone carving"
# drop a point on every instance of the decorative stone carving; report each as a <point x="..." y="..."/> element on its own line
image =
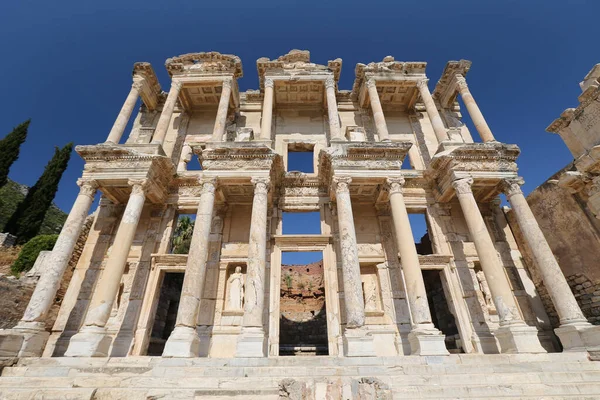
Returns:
<point x="235" y="290"/>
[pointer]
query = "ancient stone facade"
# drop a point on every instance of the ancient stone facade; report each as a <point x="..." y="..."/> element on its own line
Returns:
<point x="377" y="301"/>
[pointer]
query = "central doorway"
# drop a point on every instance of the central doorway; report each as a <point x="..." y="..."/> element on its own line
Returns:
<point x="303" y="316"/>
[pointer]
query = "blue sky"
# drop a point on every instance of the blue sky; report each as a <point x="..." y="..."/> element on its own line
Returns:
<point x="67" y="65"/>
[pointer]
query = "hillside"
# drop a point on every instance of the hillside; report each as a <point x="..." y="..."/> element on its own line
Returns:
<point x="12" y="193"/>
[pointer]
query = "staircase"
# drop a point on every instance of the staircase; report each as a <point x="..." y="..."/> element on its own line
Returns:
<point x="458" y="376"/>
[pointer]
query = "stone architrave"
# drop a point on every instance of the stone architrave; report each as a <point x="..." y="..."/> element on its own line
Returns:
<point x="514" y="335"/>
<point x="425" y="339"/>
<point x="125" y="114"/>
<point x="432" y="111"/>
<point x="167" y="112"/>
<point x="184" y="340"/>
<point x="92" y="340"/>
<point x="332" y="110"/>
<point x="574" y="332"/>
<point x="267" y="111"/>
<point x="221" y="119"/>
<point x="251" y="342"/>
<point x="378" y="115"/>
<point x="476" y="116"/>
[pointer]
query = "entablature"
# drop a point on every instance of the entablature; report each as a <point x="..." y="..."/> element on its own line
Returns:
<point x="446" y="89"/>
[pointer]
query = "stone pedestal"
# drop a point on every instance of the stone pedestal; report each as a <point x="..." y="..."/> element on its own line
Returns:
<point x="427" y="342"/>
<point x="90" y="341"/>
<point x="251" y="343"/>
<point x="183" y="342"/>
<point x="579" y="336"/>
<point x="518" y="338"/>
<point x="358" y="342"/>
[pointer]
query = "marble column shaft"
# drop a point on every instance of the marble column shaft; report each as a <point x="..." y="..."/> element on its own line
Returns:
<point x="562" y="297"/>
<point x="415" y="286"/>
<point x="107" y="287"/>
<point x="476" y="116"/>
<point x="266" y="122"/>
<point x="353" y="294"/>
<point x="167" y="112"/>
<point x="254" y="294"/>
<point x="432" y="111"/>
<point x="51" y="277"/>
<point x="221" y="119"/>
<point x="378" y="115"/>
<point x="332" y="110"/>
<point x="123" y="118"/>
<point x="488" y="257"/>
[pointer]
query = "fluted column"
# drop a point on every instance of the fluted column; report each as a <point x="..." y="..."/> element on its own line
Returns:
<point x="432" y="111"/>
<point x="123" y="118"/>
<point x="332" y="110"/>
<point x="251" y="342"/>
<point x="267" y="111"/>
<point x="221" y="119"/>
<point x="167" y="112"/>
<point x="378" y="116"/>
<point x="516" y="337"/>
<point x="476" y="116"/>
<point x="92" y="340"/>
<point x="184" y="340"/>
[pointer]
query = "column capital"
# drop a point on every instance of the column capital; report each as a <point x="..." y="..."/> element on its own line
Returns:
<point x="463" y="186"/>
<point x="341" y="183"/>
<point x="269" y="82"/>
<point x="176" y="84"/>
<point x="228" y="82"/>
<point x="510" y="187"/>
<point x="461" y="82"/>
<point x="138" y="186"/>
<point x="209" y="184"/>
<point x="371" y="83"/>
<point x="422" y="83"/>
<point x="395" y="185"/>
<point x="261" y="185"/>
<point x="138" y="84"/>
<point x="330" y="82"/>
<point x="87" y="187"/>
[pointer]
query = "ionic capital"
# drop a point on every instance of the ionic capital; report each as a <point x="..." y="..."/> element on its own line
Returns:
<point x="341" y="184"/>
<point x="371" y="83"/>
<point x="209" y="184"/>
<point x="422" y="83"/>
<point x="463" y="186"/>
<point x="461" y="82"/>
<point x="330" y="82"/>
<point x="87" y="187"/>
<point x="510" y="187"/>
<point x="269" y="83"/>
<point x="261" y="185"/>
<point x="395" y="185"/>
<point x="138" y="186"/>
<point x="227" y="83"/>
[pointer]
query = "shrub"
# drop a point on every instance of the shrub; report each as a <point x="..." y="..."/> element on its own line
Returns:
<point x="30" y="252"/>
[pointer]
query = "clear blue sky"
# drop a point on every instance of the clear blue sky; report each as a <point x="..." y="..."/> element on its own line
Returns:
<point x="67" y="64"/>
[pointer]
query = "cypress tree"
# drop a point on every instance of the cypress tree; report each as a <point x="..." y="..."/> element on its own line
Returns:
<point x="26" y="221"/>
<point x="9" y="149"/>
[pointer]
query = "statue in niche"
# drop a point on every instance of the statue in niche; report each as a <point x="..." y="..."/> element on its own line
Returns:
<point x="370" y="294"/>
<point x="235" y="290"/>
<point x="485" y="291"/>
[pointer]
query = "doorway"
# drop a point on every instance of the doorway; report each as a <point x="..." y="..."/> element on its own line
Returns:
<point x="166" y="312"/>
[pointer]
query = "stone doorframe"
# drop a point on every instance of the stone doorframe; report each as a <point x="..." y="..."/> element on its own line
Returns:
<point x="300" y="243"/>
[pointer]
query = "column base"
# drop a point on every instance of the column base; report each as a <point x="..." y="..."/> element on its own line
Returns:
<point x="182" y="342"/>
<point x="427" y="341"/>
<point x="358" y="342"/>
<point x="34" y="337"/>
<point x="251" y="343"/>
<point x="518" y="338"/>
<point x="90" y="341"/>
<point x="579" y="336"/>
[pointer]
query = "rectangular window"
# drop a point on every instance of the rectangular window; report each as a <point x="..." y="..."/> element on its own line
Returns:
<point x="182" y="233"/>
<point x="300" y="157"/>
<point x="418" y="225"/>
<point x="301" y="223"/>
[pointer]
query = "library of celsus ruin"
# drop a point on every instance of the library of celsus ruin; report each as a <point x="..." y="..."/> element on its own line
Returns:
<point x="390" y="151"/>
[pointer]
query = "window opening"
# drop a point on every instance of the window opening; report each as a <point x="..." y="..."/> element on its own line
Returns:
<point x="300" y="157"/>
<point x="418" y="224"/>
<point x="301" y="223"/>
<point x="182" y="234"/>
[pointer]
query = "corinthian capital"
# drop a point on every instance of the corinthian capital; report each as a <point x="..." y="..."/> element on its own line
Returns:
<point x="209" y="184"/>
<point x="341" y="184"/>
<point x="269" y="83"/>
<point x="463" y="186"/>
<point x="138" y="84"/>
<point x="395" y="185"/>
<point x="227" y="83"/>
<point x="422" y="83"/>
<point x="261" y="185"/>
<point x="371" y="83"/>
<point x="461" y="82"/>
<point x="87" y="187"/>
<point x="510" y="187"/>
<point x="330" y="82"/>
<point x="176" y="85"/>
<point x="138" y="186"/>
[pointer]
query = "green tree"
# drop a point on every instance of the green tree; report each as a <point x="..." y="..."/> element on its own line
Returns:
<point x="182" y="238"/>
<point x="30" y="252"/>
<point x="26" y="221"/>
<point x="9" y="149"/>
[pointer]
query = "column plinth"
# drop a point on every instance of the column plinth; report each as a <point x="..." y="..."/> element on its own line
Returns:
<point x="332" y="110"/>
<point x="574" y="332"/>
<point x="514" y="335"/>
<point x="425" y="339"/>
<point x="92" y="339"/>
<point x="267" y="111"/>
<point x="184" y="340"/>
<point x="378" y="115"/>
<point x="221" y="119"/>
<point x="432" y="111"/>
<point x="251" y="342"/>
<point x="167" y="112"/>
<point x="476" y="116"/>
<point x="125" y="114"/>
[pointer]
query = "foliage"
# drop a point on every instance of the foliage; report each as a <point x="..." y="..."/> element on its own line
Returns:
<point x="30" y="251"/>
<point x="9" y="149"/>
<point x="12" y="194"/>
<point x="26" y="221"/>
<point x="182" y="238"/>
<point x="288" y="281"/>
<point x="301" y="285"/>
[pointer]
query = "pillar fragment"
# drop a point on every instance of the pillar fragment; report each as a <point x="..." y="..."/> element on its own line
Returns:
<point x="167" y="112"/>
<point x="332" y="110"/>
<point x="378" y="116"/>
<point x="476" y="116"/>
<point x="221" y="119"/>
<point x="432" y="111"/>
<point x="125" y="114"/>
<point x="267" y="111"/>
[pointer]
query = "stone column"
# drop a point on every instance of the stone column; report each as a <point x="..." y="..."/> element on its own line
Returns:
<point x="184" y="340"/>
<point x="92" y="340"/>
<point x="186" y="157"/>
<point x="357" y="341"/>
<point x="513" y="334"/>
<point x="123" y="118"/>
<point x="378" y="116"/>
<point x="425" y="339"/>
<point x="33" y="322"/>
<point x="575" y="332"/>
<point x="167" y="112"/>
<point x="332" y="110"/>
<point x="476" y="115"/>
<point x="252" y="339"/>
<point x="267" y="111"/>
<point x="432" y="111"/>
<point x="221" y="119"/>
